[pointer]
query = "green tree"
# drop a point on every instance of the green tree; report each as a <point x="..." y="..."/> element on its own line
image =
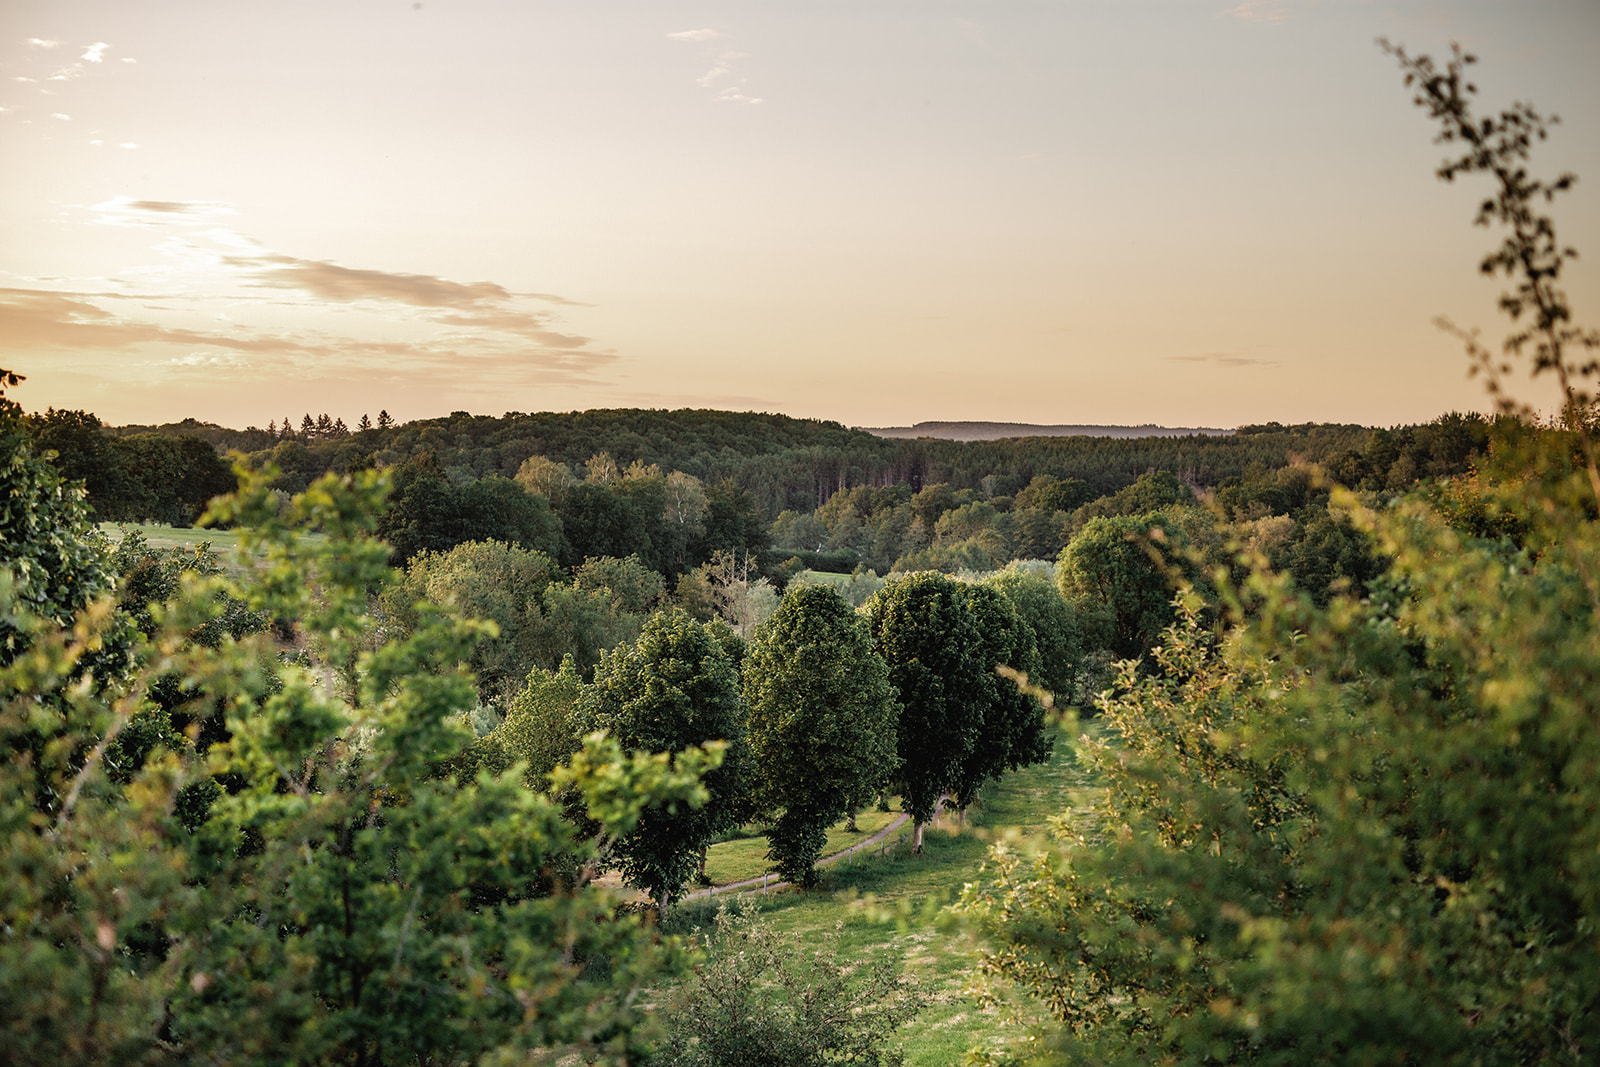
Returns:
<point x="321" y="899"/>
<point x="1115" y="567"/>
<point x="634" y="588"/>
<point x="1057" y="630"/>
<point x="921" y="628"/>
<point x="1152" y="491"/>
<point x="1013" y="733"/>
<point x="671" y="691"/>
<point x="821" y="722"/>
<point x="55" y="567"/>
<point x="540" y="730"/>
<point x="83" y="453"/>
<point x="598" y="520"/>
<point x="429" y="514"/>
<point x="490" y="580"/>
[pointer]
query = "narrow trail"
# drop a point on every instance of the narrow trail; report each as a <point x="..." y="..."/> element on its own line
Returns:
<point x="766" y="882"/>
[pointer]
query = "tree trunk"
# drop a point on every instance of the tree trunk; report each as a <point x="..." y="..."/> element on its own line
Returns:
<point x="916" y="837"/>
<point x="851" y="825"/>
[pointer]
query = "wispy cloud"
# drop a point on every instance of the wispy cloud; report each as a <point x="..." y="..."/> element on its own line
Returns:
<point x="148" y="214"/>
<point x="1225" y="359"/>
<point x="175" y="207"/>
<point x="330" y="281"/>
<point x="725" y="84"/>
<point x="40" y="42"/>
<point x="225" y="304"/>
<point x="95" y="53"/>
<point x="37" y="320"/>
<point x="1258" y="11"/>
<point x="41" y="318"/>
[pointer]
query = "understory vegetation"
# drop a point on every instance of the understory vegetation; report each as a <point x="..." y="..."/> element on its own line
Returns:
<point x="430" y="769"/>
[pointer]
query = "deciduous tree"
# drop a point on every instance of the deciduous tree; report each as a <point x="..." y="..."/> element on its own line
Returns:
<point x="821" y="721"/>
<point x="671" y="691"/>
<point x="921" y="628"/>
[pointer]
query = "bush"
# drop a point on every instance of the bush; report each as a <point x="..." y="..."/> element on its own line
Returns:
<point x="761" y="1000"/>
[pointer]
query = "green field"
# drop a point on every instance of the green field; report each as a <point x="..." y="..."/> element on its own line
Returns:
<point x="162" y="537"/>
<point x="887" y="905"/>
<point x="822" y="577"/>
<point x="224" y="543"/>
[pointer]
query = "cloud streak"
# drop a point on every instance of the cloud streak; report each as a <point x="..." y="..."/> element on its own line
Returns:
<point x="36" y="320"/>
<point x="329" y="281"/>
<point x="1225" y="359"/>
<point x="1268" y="11"/>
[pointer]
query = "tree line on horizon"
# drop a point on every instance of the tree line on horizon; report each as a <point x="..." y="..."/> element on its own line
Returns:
<point x="782" y="462"/>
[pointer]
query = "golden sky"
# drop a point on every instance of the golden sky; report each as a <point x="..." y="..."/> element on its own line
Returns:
<point x="876" y="211"/>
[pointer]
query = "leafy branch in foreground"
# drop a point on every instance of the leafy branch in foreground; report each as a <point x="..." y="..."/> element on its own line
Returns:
<point x="306" y="888"/>
<point x="1360" y="831"/>
<point x="1500" y="147"/>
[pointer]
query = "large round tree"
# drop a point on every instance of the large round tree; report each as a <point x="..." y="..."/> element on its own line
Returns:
<point x="821" y="721"/>
<point x="923" y="631"/>
<point x="673" y="689"/>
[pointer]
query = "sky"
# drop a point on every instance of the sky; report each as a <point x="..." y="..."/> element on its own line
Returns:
<point x="1182" y="212"/>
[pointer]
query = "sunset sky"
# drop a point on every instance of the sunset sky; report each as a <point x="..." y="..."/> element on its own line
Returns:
<point x="876" y="211"/>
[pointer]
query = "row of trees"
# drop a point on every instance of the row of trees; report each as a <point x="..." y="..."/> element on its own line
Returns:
<point x="323" y="428"/>
<point x="824" y="709"/>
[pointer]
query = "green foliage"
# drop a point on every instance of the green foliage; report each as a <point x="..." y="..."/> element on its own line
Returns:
<point x="1113" y="569"/>
<point x="598" y="520"/>
<point x="821" y="722"/>
<point x="168" y="477"/>
<point x="635" y="589"/>
<point x="540" y="730"/>
<point x="1358" y="831"/>
<point x="673" y="690"/>
<point x="1058" y="631"/>
<point x="921" y="628"/>
<point x="489" y="580"/>
<point x="971" y="556"/>
<point x="1320" y="866"/>
<point x="427" y="513"/>
<point x="1014" y="732"/>
<point x="760" y="999"/>
<point x="1153" y="491"/>
<point x="330" y="902"/>
<point x="54" y="565"/>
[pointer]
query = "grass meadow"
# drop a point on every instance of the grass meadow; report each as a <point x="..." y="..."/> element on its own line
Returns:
<point x="163" y="537"/>
<point x="891" y="906"/>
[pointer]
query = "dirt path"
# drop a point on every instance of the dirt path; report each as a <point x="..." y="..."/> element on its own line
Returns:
<point x="767" y="881"/>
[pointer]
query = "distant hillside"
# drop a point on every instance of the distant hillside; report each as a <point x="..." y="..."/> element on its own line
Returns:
<point x="995" y="431"/>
